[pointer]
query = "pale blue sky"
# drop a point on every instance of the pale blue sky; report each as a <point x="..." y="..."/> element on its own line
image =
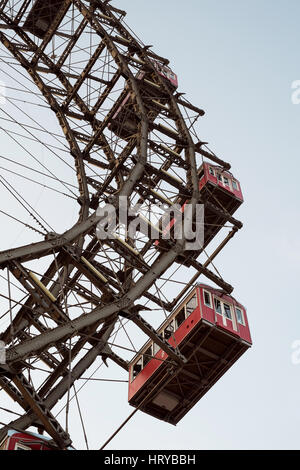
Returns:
<point x="237" y="60"/>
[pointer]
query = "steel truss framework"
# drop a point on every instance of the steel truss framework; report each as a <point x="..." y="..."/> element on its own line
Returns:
<point x="83" y="66"/>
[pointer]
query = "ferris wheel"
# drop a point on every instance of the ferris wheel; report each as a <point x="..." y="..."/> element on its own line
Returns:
<point x="101" y="168"/>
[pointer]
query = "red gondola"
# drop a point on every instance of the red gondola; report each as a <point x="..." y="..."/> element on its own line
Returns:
<point x="220" y="191"/>
<point x="211" y="330"/>
<point x="166" y="73"/>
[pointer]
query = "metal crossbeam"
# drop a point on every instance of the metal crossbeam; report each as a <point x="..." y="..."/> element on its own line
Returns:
<point x="41" y="411"/>
<point x="158" y="339"/>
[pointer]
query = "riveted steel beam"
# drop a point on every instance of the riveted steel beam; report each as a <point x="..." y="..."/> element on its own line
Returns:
<point x="172" y="352"/>
<point x="42" y="412"/>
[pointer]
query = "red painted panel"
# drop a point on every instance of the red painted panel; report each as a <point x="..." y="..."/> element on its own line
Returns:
<point x="207" y="312"/>
<point x="244" y="329"/>
<point x="26" y="440"/>
<point x="228" y="326"/>
<point x="184" y="329"/>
